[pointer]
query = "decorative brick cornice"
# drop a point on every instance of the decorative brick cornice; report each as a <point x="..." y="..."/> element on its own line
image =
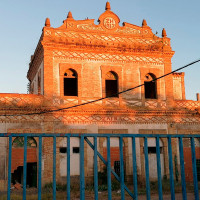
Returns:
<point x="102" y="116"/>
<point x="178" y="74"/>
<point x="105" y="57"/>
<point x="114" y="43"/>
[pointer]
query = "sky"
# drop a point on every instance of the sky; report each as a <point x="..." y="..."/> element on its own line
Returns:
<point x="22" y="22"/>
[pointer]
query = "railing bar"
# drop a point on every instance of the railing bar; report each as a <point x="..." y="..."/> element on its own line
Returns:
<point x="82" y="169"/>
<point x="68" y="167"/>
<point x="95" y="169"/>
<point x="112" y="171"/>
<point x="171" y="169"/>
<point x="54" y="168"/>
<point x="159" y="168"/>
<point x="183" y="183"/>
<point x="109" y="170"/>
<point x="134" y="169"/>
<point x="147" y="169"/>
<point x="121" y="167"/>
<point x="196" y="192"/>
<point x="9" y="167"/>
<point x="40" y="169"/>
<point x="25" y="168"/>
<point x="92" y="146"/>
<point x="96" y="134"/>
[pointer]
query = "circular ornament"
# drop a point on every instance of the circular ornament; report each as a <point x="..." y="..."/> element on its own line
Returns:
<point x="109" y="23"/>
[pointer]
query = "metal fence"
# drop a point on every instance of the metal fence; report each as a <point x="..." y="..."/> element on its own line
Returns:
<point x="84" y="138"/>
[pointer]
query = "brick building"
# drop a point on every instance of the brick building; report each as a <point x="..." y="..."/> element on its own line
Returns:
<point x="79" y="62"/>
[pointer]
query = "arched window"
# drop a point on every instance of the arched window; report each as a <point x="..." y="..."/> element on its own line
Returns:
<point x="19" y="142"/>
<point x="150" y="87"/>
<point x="111" y="84"/>
<point x="70" y="83"/>
<point x="39" y="83"/>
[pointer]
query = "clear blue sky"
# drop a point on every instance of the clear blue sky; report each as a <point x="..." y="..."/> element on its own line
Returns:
<point x="22" y="22"/>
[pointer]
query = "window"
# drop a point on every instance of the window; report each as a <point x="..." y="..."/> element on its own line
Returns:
<point x="153" y="150"/>
<point x="39" y="83"/>
<point x="150" y="87"/>
<point x="76" y="149"/>
<point x="63" y="150"/>
<point x="70" y="83"/>
<point x="111" y="84"/>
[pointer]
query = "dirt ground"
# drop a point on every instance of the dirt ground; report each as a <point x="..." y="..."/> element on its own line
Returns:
<point x="116" y="195"/>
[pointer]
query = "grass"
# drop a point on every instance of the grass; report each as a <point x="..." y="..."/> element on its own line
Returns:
<point x="89" y="191"/>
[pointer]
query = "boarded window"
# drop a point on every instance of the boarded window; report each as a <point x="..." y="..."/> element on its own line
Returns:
<point x="76" y="149"/>
<point x="153" y="150"/>
<point x="39" y="83"/>
<point x="70" y="83"/>
<point x="63" y="150"/>
<point x="111" y="84"/>
<point x="150" y="87"/>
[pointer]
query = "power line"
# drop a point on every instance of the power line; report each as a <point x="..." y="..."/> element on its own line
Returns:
<point x="113" y="95"/>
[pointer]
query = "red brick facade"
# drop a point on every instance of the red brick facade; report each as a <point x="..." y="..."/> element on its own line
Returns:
<point x="130" y="52"/>
<point x="18" y="157"/>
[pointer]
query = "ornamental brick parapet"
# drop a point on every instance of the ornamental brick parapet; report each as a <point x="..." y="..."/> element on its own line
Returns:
<point x="188" y="104"/>
<point x="8" y="100"/>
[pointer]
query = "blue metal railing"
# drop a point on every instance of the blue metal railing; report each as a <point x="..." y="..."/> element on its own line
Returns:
<point x="121" y="179"/>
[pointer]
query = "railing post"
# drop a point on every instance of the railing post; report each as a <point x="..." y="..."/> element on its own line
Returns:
<point x="82" y="169"/>
<point x="54" y="167"/>
<point x="112" y="171"/>
<point x="194" y="167"/>
<point x="95" y="169"/>
<point x="109" y="169"/>
<point x="40" y="169"/>
<point x="147" y="168"/>
<point x="182" y="168"/>
<point x="25" y="168"/>
<point x="171" y="169"/>
<point x="9" y="167"/>
<point x="159" y="168"/>
<point x="134" y="169"/>
<point x="121" y="167"/>
<point x="68" y="167"/>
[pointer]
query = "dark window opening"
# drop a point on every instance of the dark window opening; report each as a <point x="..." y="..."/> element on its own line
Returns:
<point x="39" y="83"/>
<point x="153" y="150"/>
<point x="76" y="149"/>
<point x="150" y="90"/>
<point x="63" y="150"/>
<point x="117" y="167"/>
<point x="112" y="88"/>
<point x="198" y="169"/>
<point x="70" y="87"/>
<point x="17" y="175"/>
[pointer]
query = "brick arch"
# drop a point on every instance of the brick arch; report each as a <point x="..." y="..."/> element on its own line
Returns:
<point x="150" y="86"/>
<point x="117" y="70"/>
<point x="77" y="68"/>
<point x="70" y="80"/>
<point x="156" y="73"/>
<point x="18" y="154"/>
<point x="111" y="75"/>
<point x="111" y="84"/>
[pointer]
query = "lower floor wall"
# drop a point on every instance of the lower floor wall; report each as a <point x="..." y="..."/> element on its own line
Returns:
<point x="61" y="145"/>
<point x="188" y="163"/>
